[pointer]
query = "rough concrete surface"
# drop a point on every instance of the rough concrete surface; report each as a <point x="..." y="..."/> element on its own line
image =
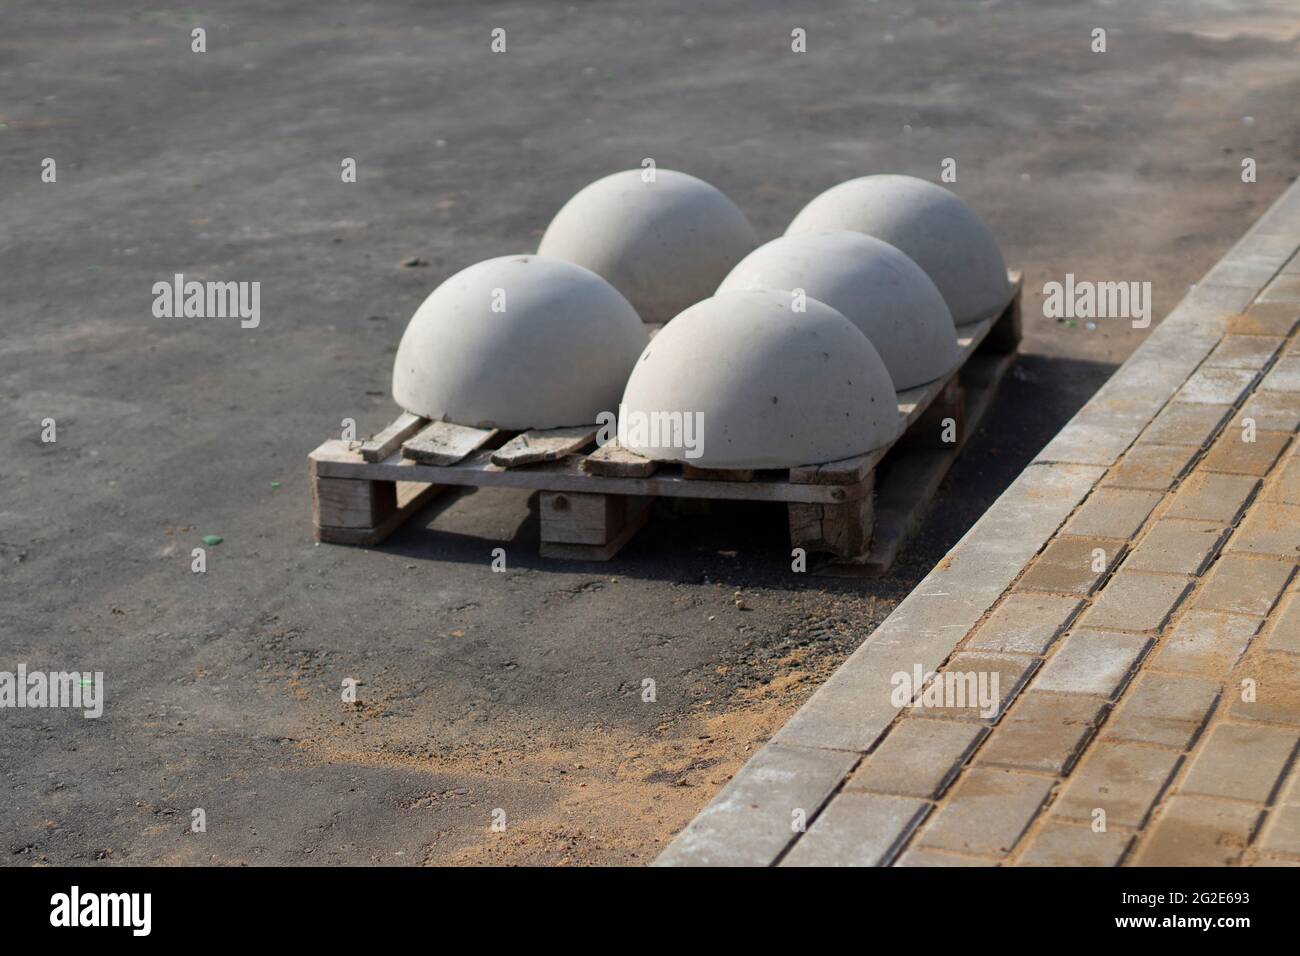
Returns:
<point x="520" y="691"/>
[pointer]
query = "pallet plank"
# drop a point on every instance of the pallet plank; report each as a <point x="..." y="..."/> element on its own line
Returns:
<point x="390" y="439"/>
<point x="443" y="443"/>
<point x="531" y="447"/>
<point x="691" y="473"/>
<point x="846" y="471"/>
<point x="612" y="460"/>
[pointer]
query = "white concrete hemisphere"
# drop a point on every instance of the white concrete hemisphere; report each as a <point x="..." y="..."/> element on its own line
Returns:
<point x="664" y="244"/>
<point x="761" y="386"/>
<point x="884" y="293"/>
<point x="938" y="231"/>
<point x="518" y="342"/>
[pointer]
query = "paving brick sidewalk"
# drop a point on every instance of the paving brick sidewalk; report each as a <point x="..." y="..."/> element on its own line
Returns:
<point x="1134" y="593"/>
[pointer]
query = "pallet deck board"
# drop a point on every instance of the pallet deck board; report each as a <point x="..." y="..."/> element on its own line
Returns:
<point x="444" y="443"/>
<point x="612" y="460"/>
<point x="390" y="439"/>
<point x="552" y="444"/>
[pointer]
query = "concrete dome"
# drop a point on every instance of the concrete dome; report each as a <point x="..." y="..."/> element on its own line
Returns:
<point x="938" y="231"/>
<point x="555" y="351"/>
<point x="772" y="388"/>
<point x="665" y="245"/>
<point x="873" y="285"/>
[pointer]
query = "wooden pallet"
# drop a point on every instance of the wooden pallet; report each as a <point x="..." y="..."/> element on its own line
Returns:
<point x="593" y="500"/>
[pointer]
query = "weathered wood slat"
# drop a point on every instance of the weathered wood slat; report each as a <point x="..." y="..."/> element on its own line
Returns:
<point x="612" y="460"/>
<point x="550" y="444"/>
<point x="443" y="443"/>
<point x="390" y="439"/>
<point x="691" y="473"/>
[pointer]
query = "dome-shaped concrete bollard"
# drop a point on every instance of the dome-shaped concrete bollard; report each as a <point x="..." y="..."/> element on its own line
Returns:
<point x="665" y="244"/>
<point x="881" y="291"/>
<point x="758" y="385"/>
<point x="518" y="342"/>
<point x="938" y="231"/>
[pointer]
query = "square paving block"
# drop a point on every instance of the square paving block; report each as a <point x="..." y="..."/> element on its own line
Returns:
<point x="1124" y="780"/>
<point x="1025" y="623"/>
<point x="1270" y="528"/>
<point x="1113" y="512"/>
<point x="1069" y="565"/>
<point x="978" y="685"/>
<point x="987" y="813"/>
<point x="918" y="757"/>
<point x="1092" y="662"/>
<point x="1251" y="352"/>
<point x="1151" y="467"/>
<point x="1064" y="844"/>
<point x="1284" y="485"/>
<point x="1266" y="318"/>
<point x="919" y="857"/>
<point x="1178" y="546"/>
<point x="1044" y="731"/>
<point x="1291" y="789"/>
<point x="1266" y="686"/>
<point x="1284" y="376"/>
<point x="1186" y="423"/>
<point x="1284" y="633"/>
<point x="1164" y="709"/>
<point x="748" y="822"/>
<point x="1206" y="642"/>
<point x="1240" y="761"/>
<point x="1284" y="288"/>
<point x="1216" y="386"/>
<point x="1205" y="496"/>
<point x="1137" y="601"/>
<point x="1282" y="831"/>
<point x="857" y="829"/>
<point x="1272" y="411"/>
<point x="1232" y="454"/>
<point x="1197" y="831"/>
<point x="1244" y="584"/>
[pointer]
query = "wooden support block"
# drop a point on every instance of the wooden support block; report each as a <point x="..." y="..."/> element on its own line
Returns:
<point x="411" y="497"/>
<point x="843" y="530"/>
<point x="716" y="474"/>
<point x="543" y="445"/>
<point x="573" y="518"/>
<point x="612" y="460"/>
<point x="943" y="423"/>
<point x="1008" y="329"/>
<point x="442" y="443"/>
<point x="390" y="439"/>
<point x="350" y="503"/>
<point x="846" y="471"/>
<point x="589" y="527"/>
